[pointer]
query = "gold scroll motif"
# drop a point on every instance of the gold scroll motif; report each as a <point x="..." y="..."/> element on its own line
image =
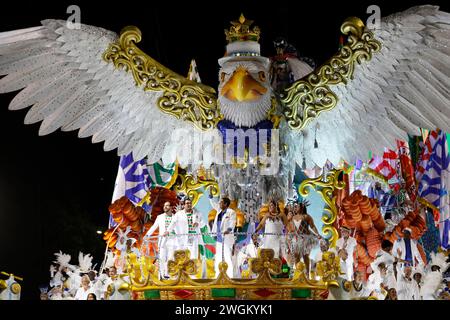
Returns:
<point x="185" y="99"/>
<point x="306" y="98"/>
<point x="264" y="266"/>
<point x="188" y="184"/>
<point x="325" y="185"/>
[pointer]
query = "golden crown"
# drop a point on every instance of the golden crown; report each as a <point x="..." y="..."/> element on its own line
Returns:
<point x="240" y="31"/>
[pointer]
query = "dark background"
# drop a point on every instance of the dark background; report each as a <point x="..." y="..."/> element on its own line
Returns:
<point x="55" y="190"/>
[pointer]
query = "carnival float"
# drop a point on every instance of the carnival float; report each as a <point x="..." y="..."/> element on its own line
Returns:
<point x="277" y="132"/>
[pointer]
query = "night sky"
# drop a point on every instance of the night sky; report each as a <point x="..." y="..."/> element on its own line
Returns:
<point x="55" y="190"/>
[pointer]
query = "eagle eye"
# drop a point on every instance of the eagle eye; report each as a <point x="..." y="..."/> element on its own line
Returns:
<point x="262" y="76"/>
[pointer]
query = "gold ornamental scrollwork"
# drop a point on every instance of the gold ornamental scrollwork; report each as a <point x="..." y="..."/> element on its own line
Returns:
<point x="325" y="186"/>
<point x="306" y="98"/>
<point x="265" y="263"/>
<point x="265" y="267"/>
<point x="189" y="184"/>
<point x="182" y="98"/>
<point x="182" y="264"/>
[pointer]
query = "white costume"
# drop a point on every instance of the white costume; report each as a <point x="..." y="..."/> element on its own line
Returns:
<point x="83" y="294"/>
<point x="357" y="291"/>
<point x="122" y="246"/>
<point x="247" y="252"/>
<point x="399" y="251"/>
<point x="100" y="286"/>
<point x="348" y="245"/>
<point x="405" y="288"/>
<point x="376" y="279"/>
<point x="344" y="265"/>
<point x="417" y="290"/>
<point x="187" y="235"/>
<point x="116" y="292"/>
<point x="388" y="259"/>
<point x="274" y="241"/>
<point x="224" y="248"/>
<point x="166" y="244"/>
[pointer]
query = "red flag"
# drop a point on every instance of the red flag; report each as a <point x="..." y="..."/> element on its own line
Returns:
<point x="387" y="167"/>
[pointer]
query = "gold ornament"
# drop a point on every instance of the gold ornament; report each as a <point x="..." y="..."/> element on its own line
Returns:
<point x="182" y="264"/>
<point x="188" y="184"/>
<point x="15" y="288"/>
<point x="329" y="268"/>
<point x="308" y="97"/>
<point x="240" y="31"/>
<point x="183" y="98"/>
<point x="265" y="263"/>
<point x="325" y="186"/>
<point x="3" y="285"/>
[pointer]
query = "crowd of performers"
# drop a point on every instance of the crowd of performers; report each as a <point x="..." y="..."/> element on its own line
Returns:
<point x="291" y="233"/>
<point x="83" y="282"/>
<point x="397" y="272"/>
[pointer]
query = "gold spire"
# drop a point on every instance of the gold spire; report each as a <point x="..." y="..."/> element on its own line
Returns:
<point x="240" y="30"/>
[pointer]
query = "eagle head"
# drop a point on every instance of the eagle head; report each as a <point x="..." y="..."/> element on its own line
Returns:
<point x="244" y="87"/>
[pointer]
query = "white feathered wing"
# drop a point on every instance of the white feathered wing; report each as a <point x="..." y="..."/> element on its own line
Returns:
<point x="406" y="86"/>
<point x="70" y="86"/>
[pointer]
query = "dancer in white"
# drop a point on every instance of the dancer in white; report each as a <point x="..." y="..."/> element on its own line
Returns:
<point x="405" y="284"/>
<point x="167" y="241"/>
<point x="406" y="250"/>
<point x="273" y="222"/>
<point x="185" y="224"/>
<point x="223" y="225"/>
<point x="347" y="243"/>
<point x="85" y="289"/>
<point x="303" y="235"/>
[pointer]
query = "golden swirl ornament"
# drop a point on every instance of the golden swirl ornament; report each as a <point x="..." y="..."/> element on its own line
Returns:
<point x="325" y="186"/>
<point x="183" y="98"/>
<point x="306" y="98"/>
<point x="182" y="264"/>
<point x="188" y="184"/>
<point x="265" y="263"/>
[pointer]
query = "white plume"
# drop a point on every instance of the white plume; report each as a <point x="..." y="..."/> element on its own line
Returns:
<point x="84" y="262"/>
<point x="62" y="259"/>
<point x="431" y="284"/>
<point x="440" y="260"/>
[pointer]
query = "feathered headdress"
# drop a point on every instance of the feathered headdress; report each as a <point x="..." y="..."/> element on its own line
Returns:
<point x="440" y="260"/>
<point x="84" y="262"/>
<point x="303" y="202"/>
<point x="63" y="260"/>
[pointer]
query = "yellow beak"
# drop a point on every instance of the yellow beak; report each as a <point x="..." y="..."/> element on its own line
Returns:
<point x="242" y="87"/>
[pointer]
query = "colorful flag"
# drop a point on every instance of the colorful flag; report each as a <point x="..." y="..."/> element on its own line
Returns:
<point x="407" y="169"/>
<point x="208" y="247"/>
<point x="434" y="182"/>
<point x="136" y="178"/>
<point x="427" y="148"/>
<point x="131" y="181"/>
<point x="386" y="167"/>
<point x="430" y="240"/>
